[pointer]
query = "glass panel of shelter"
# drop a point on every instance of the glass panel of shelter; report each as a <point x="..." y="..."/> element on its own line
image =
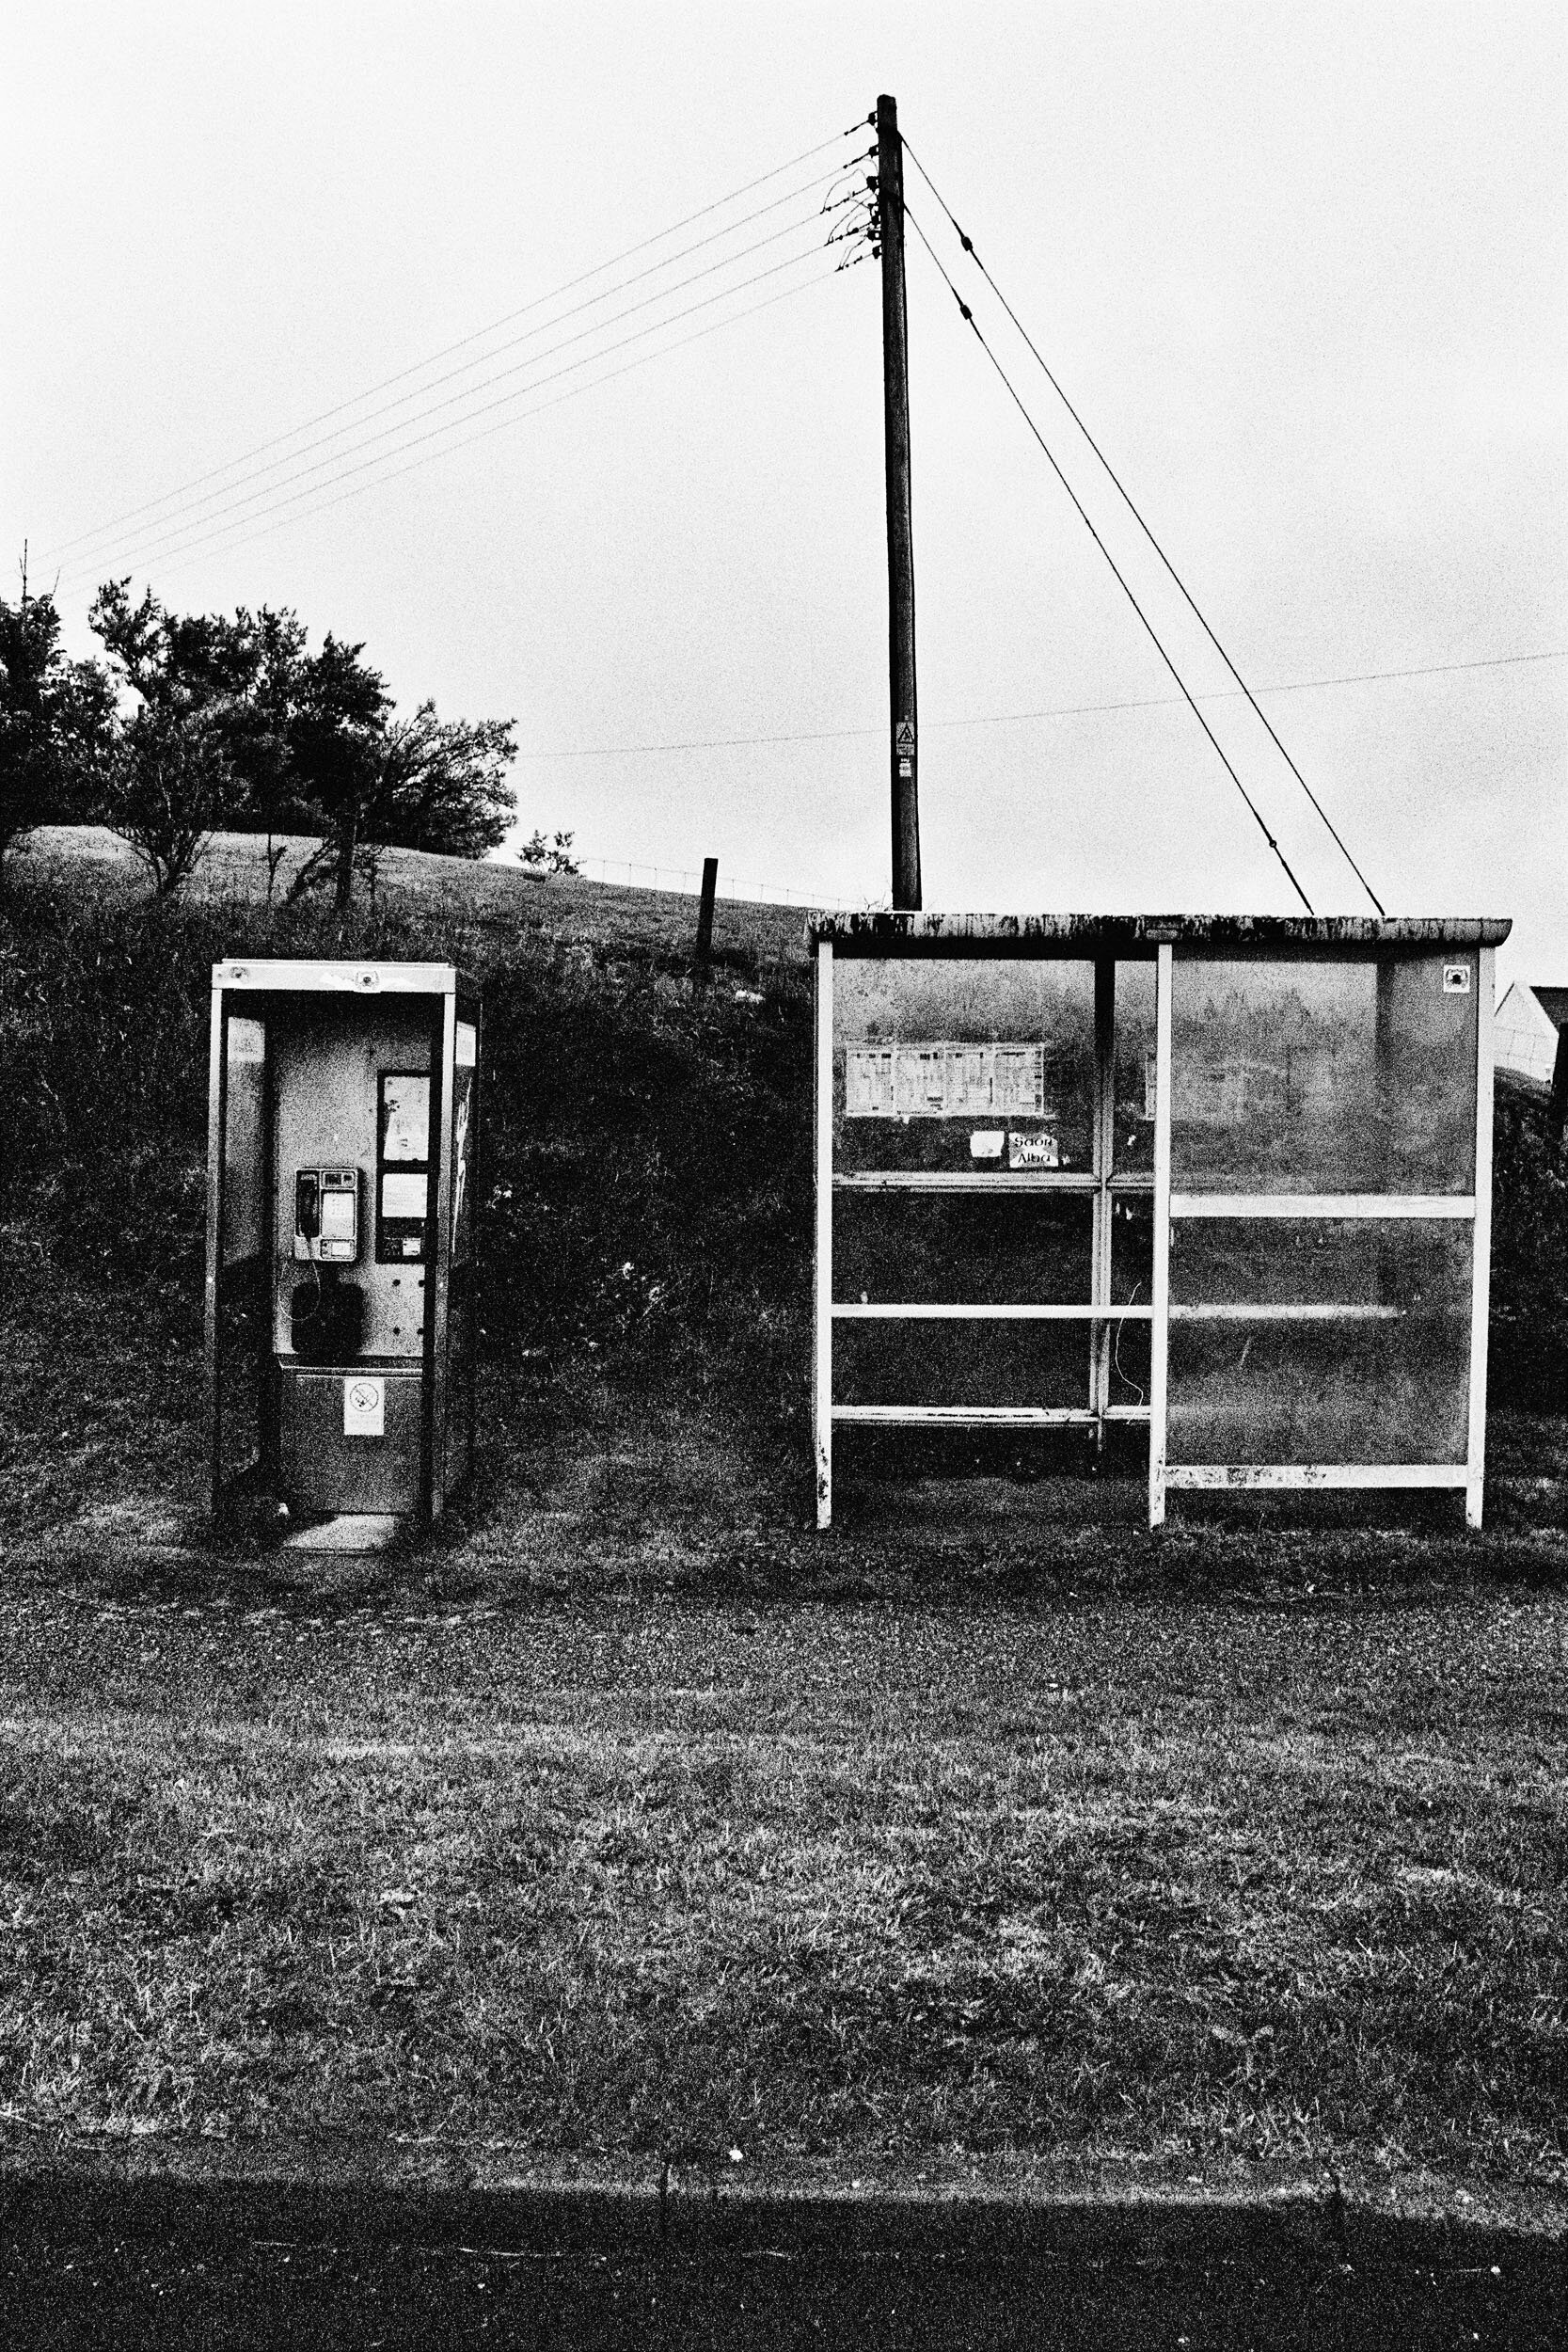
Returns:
<point x="1298" y="1337"/>
<point x="1318" y="1076"/>
<point x="1025" y="1087"/>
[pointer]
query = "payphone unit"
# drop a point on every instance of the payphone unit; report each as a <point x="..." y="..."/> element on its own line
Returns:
<point x="341" y="1303"/>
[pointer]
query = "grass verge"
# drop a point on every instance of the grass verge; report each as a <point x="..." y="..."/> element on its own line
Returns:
<point x="1275" y="1876"/>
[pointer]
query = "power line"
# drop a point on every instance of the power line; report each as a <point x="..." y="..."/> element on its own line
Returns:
<point x="157" y="550"/>
<point x="1062" y="711"/>
<point x="334" y="464"/>
<point x="264" y="529"/>
<point x="970" y="320"/>
<point x="190" y="505"/>
<point x="479" y="334"/>
<point x="1125" y="495"/>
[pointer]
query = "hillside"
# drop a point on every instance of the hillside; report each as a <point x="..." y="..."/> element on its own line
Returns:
<point x="500" y="898"/>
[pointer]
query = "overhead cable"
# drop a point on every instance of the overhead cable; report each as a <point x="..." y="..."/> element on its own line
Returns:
<point x="464" y="342"/>
<point x="192" y="504"/>
<point x="334" y="467"/>
<point x="968" y="244"/>
<point x="1017" y="718"/>
<point x="238" y="535"/>
<point x="970" y="321"/>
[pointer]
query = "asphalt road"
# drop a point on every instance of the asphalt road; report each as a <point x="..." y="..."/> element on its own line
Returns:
<point x="89" y="2264"/>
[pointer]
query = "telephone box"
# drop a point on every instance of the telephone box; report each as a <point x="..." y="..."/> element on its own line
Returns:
<point x="342" y="1141"/>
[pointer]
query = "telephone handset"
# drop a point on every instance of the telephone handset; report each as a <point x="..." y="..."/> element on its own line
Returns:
<point x="326" y="1214"/>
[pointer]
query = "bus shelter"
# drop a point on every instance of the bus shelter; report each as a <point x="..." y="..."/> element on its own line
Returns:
<point x="1226" y="1178"/>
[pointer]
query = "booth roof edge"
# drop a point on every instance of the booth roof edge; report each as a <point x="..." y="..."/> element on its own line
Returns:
<point x="357" y="976"/>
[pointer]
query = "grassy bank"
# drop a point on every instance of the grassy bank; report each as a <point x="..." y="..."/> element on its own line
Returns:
<point x="965" y="1883"/>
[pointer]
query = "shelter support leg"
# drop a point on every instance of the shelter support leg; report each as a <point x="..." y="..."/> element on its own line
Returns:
<point x="1480" y="1262"/>
<point x="822" y="1352"/>
<point x="1159" y="1326"/>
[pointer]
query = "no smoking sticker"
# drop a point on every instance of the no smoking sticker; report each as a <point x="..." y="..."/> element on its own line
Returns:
<point x="364" y="1406"/>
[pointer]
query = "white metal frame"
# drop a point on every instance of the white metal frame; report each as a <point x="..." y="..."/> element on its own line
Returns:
<point x="1101" y="1184"/>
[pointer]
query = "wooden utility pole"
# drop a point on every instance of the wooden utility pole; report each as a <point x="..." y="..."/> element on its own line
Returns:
<point x="900" y="530"/>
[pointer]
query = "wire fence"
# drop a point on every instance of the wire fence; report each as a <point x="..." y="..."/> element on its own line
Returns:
<point x="688" y="881"/>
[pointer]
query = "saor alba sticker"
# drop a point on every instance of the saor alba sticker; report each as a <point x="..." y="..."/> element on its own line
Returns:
<point x="1033" y="1151"/>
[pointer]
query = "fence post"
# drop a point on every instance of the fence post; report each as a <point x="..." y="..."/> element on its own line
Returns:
<point x="704" y="914"/>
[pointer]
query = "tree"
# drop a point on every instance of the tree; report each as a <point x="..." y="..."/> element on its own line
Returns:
<point x="179" y="663"/>
<point x="291" y="741"/>
<point x="257" y="736"/>
<point x="336" y="740"/>
<point x="443" y="784"/>
<point x="189" y="758"/>
<point x="168" y="787"/>
<point x="57" y="722"/>
<point x="554" y="856"/>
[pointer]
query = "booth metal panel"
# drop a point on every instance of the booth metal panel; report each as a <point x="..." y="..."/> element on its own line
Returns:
<point x="1250" y="1157"/>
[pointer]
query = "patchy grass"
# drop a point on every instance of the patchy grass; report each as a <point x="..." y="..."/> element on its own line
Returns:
<point x="101" y="1402"/>
<point x="901" y="1882"/>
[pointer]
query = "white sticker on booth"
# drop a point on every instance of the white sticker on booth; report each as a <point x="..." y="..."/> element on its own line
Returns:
<point x="247" y="1039"/>
<point x="986" y="1143"/>
<point x="403" y="1194"/>
<point x="364" y="1406"/>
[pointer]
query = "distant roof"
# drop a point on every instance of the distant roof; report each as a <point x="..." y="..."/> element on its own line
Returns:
<point x="1553" y="1003"/>
<point x="868" y="931"/>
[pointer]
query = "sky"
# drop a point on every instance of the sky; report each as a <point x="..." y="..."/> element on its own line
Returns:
<point x="1303" y="273"/>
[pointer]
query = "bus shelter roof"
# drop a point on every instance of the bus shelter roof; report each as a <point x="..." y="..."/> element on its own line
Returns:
<point x="876" y="932"/>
